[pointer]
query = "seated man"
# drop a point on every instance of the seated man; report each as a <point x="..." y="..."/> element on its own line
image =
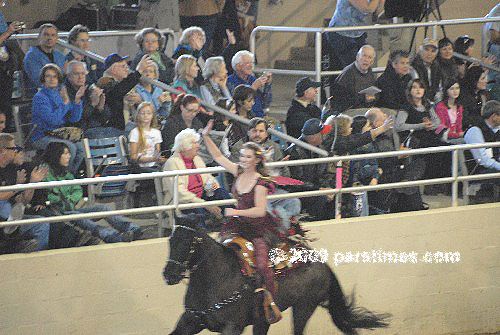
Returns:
<point x="488" y="130"/>
<point x="12" y="203"/>
<point x="314" y="176"/>
<point x="243" y="63"/>
<point x="426" y="67"/>
<point x="302" y="107"/>
<point x="394" y="81"/>
<point x="93" y="100"/>
<point x="354" y="78"/>
<point x="394" y="170"/>
<point x="257" y="132"/>
<point x="44" y="53"/>
<point x="116" y="83"/>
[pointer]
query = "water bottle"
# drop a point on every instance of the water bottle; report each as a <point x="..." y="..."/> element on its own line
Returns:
<point x="209" y="189"/>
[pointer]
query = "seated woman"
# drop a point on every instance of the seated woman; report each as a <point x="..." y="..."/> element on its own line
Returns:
<point x="474" y="95"/>
<point x="66" y="198"/>
<point x="160" y="99"/>
<point x="193" y="188"/>
<point x="215" y="84"/>
<point x="152" y="42"/>
<point x="415" y="123"/>
<point x="244" y="96"/>
<point x="446" y="61"/>
<point x="250" y="219"/>
<point x="79" y="37"/>
<point x="52" y="109"/>
<point x="186" y="70"/>
<point x="191" y="43"/>
<point x="145" y="140"/>
<point x="183" y="115"/>
<point x="450" y="113"/>
<point x="365" y="171"/>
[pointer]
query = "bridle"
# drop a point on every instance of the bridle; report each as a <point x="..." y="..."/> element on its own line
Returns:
<point x="185" y="267"/>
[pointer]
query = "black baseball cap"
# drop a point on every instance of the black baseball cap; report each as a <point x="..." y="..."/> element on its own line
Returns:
<point x="303" y="84"/>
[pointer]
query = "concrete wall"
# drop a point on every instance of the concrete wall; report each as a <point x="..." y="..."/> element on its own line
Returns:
<point x="118" y="289"/>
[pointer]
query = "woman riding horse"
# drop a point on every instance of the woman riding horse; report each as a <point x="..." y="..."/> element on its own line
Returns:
<point x="250" y="218"/>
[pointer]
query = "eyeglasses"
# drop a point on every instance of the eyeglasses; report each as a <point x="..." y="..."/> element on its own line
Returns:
<point x="15" y="148"/>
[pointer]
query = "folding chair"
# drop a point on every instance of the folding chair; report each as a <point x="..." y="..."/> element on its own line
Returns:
<point x="106" y="157"/>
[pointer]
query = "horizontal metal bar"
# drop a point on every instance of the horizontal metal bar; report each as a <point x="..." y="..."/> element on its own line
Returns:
<point x="203" y="103"/>
<point x="152" y="175"/>
<point x="375" y="26"/>
<point x="475" y="60"/>
<point x="107" y="33"/>
<point x="154" y="209"/>
<point x="309" y="73"/>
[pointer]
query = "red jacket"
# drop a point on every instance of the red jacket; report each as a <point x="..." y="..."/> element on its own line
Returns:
<point x="442" y="113"/>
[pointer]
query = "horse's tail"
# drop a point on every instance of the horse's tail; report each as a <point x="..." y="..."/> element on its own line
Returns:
<point x="346" y="316"/>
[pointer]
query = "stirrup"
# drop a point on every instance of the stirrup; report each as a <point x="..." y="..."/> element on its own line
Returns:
<point x="271" y="311"/>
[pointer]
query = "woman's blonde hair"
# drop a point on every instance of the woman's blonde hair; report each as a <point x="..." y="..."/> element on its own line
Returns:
<point x="341" y="121"/>
<point x="182" y="65"/>
<point x="141" y="144"/>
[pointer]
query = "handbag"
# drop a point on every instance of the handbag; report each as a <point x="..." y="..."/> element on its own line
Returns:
<point x="73" y="134"/>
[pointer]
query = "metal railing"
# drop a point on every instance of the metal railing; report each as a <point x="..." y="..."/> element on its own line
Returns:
<point x="107" y="33"/>
<point x="454" y="180"/>
<point x="318" y="41"/>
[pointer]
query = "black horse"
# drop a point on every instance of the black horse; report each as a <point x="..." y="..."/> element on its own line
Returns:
<point x="221" y="299"/>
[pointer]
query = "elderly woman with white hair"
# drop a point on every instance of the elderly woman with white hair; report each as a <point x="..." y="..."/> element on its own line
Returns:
<point x="152" y="42"/>
<point x="215" y="85"/>
<point x="196" y="188"/>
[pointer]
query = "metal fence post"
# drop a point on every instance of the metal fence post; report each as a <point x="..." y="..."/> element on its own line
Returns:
<point x="317" y="62"/>
<point x="454" y="174"/>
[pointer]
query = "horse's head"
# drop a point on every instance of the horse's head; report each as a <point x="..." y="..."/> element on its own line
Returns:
<point x="183" y="243"/>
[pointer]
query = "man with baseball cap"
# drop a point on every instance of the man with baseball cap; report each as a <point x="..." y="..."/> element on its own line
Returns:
<point x="426" y="67"/>
<point x="116" y="83"/>
<point x="302" y="107"/>
<point x="488" y="130"/>
<point x="314" y="176"/>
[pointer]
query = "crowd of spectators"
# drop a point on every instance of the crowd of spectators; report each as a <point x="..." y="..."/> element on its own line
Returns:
<point x="422" y="100"/>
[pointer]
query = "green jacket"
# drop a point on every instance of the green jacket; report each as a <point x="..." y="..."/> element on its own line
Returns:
<point x="64" y="198"/>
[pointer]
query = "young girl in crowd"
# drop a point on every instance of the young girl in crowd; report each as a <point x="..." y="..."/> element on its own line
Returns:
<point x="450" y="112"/>
<point x="145" y="139"/>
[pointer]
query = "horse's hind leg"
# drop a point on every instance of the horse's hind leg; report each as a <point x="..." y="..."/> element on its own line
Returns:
<point x="260" y="327"/>
<point x="187" y="325"/>
<point x="301" y="314"/>
<point x="231" y="329"/>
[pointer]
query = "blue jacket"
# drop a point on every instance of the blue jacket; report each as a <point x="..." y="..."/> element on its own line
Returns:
<point x="33" y="62"/>
<point x="50" y="112"/>
<point x="263" y="97"/>
<point x="154" y="98"/>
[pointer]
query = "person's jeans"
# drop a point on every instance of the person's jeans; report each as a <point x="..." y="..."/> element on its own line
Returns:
<point x="75" y="149"/>
<point x="344" y="49"/>
<point x="219" y="194"/>
<point x="40" y="232"/>
<point x="284" y="208"/>
<point x="119" y="224"/>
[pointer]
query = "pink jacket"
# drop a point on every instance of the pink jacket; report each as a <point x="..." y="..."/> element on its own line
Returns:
<point x="442" y="113"/>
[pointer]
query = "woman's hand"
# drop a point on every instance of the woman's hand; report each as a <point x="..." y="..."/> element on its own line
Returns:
<point x="208" y="128"/>
<point x="64" y="95"/>
<point x="230" y="212"/>
<point x="39" y="173"/>
<point x="230" y="37"/>
<point x="15" y="26"/>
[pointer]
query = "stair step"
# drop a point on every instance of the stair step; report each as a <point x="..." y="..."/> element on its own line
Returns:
<point x="302" y="53"/>
<point x="306" y="65"/>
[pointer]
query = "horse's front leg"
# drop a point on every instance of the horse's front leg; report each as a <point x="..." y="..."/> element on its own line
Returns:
<point x="188" y="324"/>
<point x="231" y="329"/>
